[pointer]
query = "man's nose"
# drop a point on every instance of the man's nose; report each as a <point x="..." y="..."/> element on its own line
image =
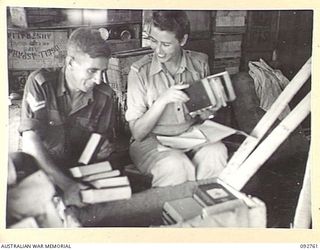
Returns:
<point x="97" y="78"/>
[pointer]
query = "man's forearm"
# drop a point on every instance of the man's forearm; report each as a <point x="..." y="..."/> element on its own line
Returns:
<point x="33" y="145"/>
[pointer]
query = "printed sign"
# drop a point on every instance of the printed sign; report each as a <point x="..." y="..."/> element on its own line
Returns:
<point x="36" y="49"/>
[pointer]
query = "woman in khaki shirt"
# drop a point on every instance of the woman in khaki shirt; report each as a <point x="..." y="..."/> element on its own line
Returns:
<point x="156" y="105"/>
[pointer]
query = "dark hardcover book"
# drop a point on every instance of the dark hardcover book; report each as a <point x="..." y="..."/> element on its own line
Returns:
<point x="182" y="209"/>
<point x="212" y="193"/>
<point x="199" y="98"/>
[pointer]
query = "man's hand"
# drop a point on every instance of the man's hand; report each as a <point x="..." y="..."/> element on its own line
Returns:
<point x="105" y="150"/>
<point x="174" y="94"/>
<point x="72" y="196"/>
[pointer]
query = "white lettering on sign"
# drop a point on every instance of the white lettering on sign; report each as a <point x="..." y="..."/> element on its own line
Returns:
<point x="36" y="49"/>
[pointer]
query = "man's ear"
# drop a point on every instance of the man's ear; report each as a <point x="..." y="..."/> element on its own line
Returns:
<point x="184" y="40"/>
<point x="69" y="61"/>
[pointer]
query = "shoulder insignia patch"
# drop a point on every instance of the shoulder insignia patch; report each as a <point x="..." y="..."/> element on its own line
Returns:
<point x="34" y="104"/>
<point x="136" y="66"/>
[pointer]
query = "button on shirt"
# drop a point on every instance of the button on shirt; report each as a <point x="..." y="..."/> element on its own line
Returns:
<point x="65" y="124"/>
<point x="148" y="79"/>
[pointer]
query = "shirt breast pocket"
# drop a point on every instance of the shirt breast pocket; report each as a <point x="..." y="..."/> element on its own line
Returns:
<point x="86" y="123"/>
<point x="54" y="118"/>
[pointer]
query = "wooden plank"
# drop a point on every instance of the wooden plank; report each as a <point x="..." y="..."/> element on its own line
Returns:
<point x="268" y="119"/>
<point x="238" y="178"/>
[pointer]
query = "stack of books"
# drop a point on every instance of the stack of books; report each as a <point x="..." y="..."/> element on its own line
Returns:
<point x="215" y="204"/>
<point x="105" y="183"/>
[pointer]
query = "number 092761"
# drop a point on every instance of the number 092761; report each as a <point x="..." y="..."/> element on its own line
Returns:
<point x="309" y="245"/>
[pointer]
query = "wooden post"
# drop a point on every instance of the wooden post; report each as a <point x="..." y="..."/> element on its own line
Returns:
<point x="268" y="119"/>
<point x="302" y="218"/>
<point x="239" y="177"/>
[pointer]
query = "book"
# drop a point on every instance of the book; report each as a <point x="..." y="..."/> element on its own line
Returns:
<point x="92" y="196"/>
<point x="183" y="141"/>
<point x="212" y="91"/>
<point x="90" y="148"/>
<point x="244" y="209"/>
<point x="198" y="98"/>
<point x="212" y="193"/>
<point x="200" y="135"/>
<point x="167" y="219"/>
<point x="102" y="175"/>
<point x="90" y="169"/>
<point x="110" y="182"/>
<point x="182" y="209"/>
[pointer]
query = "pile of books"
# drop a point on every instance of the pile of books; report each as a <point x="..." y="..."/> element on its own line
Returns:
<point x="105" y="183"/>
<point x="215" y="204"/>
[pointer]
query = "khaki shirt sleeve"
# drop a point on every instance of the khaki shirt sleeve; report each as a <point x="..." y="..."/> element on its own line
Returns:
<point x="136" y="96"/>
<point x="33" y="111"/>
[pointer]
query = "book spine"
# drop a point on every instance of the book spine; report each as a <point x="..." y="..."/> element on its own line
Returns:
<point x="92" y="196"/>
<point x="216" y="91"/>
<point x="222" y="91"/>
<point x="90" y="148"/>
<point x="208" y="89"/>
<point x="90" y="169"/>
<point x="108" y="174"/>
<point x="111" y="182"/>
<point x="228" y="84"/>
<point x="172" y="212"/>
<point x="167" y="218"/>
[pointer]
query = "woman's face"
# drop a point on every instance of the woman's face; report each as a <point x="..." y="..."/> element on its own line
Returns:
<point x="165" y="45"/>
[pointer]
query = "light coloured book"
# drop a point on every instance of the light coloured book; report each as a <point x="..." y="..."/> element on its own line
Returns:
<point x="90" y="148"/>
<point x="90" y="169"/>
<point x="103" y="175"/>
<point x="111" y="182"/>
<point x="92" y="196"/>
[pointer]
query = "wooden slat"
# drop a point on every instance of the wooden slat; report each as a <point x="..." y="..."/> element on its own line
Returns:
<point x="239" y="177"/>
<point x="268" y="119"/>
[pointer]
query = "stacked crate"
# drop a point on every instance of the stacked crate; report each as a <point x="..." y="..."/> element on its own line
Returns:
<point x="118" y="69"/>
<point x="228" y="29"/>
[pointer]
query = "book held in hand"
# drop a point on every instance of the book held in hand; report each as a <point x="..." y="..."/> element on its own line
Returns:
<point x="90" y="148"/>
<point x="90" y="169"/>
<point x="211" y="92"/>
<point x="102" y="175"/>
<point x="111" y="182"/>
<point x="92" y="196"/>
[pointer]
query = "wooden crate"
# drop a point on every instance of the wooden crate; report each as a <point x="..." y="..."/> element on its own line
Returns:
<point x="118" y="70"/>
<point x="227" y="64"/>
<point x="231" y="21"/>
<point x="227" y="45"/>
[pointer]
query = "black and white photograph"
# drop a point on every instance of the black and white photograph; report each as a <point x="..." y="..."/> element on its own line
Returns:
<point x="159" y="118"/>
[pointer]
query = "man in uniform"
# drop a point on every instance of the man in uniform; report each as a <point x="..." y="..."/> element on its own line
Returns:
<point x="61" y="108"/>
<point x="156" y="105"/>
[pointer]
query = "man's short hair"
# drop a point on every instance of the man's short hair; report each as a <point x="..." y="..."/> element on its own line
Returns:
<point x="175" y="21"/>
<point x="89" y="41"/>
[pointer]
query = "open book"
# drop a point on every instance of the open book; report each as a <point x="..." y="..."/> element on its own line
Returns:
<point x="207" y="132"/>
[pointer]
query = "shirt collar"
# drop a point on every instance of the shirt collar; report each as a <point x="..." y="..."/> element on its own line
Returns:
<point x="185" y="63"/>
<point x="156" y="66"/>
<point x="61" y="88"/>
